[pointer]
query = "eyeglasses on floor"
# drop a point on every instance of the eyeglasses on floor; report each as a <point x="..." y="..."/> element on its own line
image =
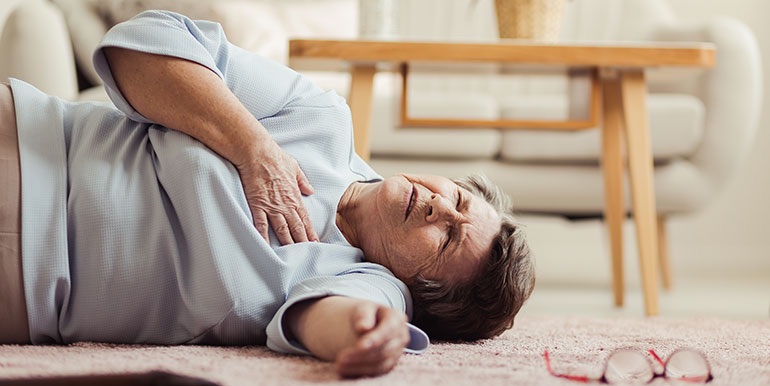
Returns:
<point x="630" y="366"/>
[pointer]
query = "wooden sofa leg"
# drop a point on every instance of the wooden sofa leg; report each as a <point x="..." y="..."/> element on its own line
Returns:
<point x="663" y="260"/>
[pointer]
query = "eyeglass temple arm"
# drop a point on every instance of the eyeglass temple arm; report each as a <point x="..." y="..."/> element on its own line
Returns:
<point x="579" y="378"/>
<point x="656" y="357"/>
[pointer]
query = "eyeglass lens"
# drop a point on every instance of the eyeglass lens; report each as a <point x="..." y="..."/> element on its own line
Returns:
<point x="628" y="366"/>
<point x="688" y="365"/>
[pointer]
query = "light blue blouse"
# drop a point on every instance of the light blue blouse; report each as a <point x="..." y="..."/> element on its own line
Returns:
<point x="135" y="233"/>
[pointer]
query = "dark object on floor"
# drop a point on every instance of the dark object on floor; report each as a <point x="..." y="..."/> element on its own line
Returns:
<point x="154" y="378"/>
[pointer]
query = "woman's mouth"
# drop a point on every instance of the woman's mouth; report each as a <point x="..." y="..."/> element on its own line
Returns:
<point x="410" y="204"/>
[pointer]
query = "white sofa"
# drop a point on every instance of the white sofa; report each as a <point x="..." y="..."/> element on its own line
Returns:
<point x="702" y="122"/>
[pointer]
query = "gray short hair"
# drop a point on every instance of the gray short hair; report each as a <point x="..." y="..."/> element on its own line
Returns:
<point x="486" y="305"/>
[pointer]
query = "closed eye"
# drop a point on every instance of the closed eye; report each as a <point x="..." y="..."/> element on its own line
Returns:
<point x="459" y="196"/>
<point x="447" y="241"/>
<point x="451" y="229"/>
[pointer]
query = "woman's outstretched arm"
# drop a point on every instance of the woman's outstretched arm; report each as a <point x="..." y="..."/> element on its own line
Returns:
<point x="361" y="337"/>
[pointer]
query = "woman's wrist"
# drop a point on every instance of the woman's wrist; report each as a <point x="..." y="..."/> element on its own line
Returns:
<point x="323" y="325"/>
<point x="251" y="144"/>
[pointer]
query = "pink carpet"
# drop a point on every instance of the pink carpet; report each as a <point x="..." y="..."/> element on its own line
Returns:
<point x="739" y="353"/>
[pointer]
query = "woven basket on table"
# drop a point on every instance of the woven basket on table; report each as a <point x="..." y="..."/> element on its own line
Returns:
<point x="529" y="19"/>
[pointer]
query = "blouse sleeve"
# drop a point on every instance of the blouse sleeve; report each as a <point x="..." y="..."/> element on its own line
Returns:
<point x="262" y="85"/>
<point x="369" y="283"/>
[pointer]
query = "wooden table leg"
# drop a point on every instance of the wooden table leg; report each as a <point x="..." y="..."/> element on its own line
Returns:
<point x="640" y="167"/>
<point x="665" y="265"/>
<point x="612" y="166"/>
<point x="360" y="102"/>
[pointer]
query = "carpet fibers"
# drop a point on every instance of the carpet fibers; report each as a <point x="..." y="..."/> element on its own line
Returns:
<point x="738" y="350"/>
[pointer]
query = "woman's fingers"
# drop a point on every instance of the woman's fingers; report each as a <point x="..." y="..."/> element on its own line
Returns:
<point x="289" y="227"/>
<point x="274" y="188"/>
<point x="381" y="344"/>
<point x="365" y="318"/>
<point x="374" y="361"/>
<point x="303" y="183"/>
<point x="390" y="325"/>
<point x="260" y="221"/>
<point x="304" y="226"/>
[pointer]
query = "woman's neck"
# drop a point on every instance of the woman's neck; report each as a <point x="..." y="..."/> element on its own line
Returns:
<point x="349" y="211"/>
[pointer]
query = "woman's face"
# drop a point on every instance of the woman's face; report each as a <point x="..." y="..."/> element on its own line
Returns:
<point x="426" y="224"/>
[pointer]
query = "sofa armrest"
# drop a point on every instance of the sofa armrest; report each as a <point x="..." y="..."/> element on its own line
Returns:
<point x="731" y="92"/>
<point x="86" y="28"/>
<point x="35" y="47"/>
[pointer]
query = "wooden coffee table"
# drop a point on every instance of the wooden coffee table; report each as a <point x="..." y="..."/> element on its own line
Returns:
<point x="618" y="92"/>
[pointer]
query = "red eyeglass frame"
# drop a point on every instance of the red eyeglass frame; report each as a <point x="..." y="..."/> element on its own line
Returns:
<point x="603" y="379"/>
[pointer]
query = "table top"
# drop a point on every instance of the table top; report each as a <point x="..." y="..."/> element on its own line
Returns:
<point x="573" y="54"/>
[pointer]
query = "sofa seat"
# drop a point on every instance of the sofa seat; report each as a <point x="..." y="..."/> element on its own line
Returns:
<point x="553" y="188"/>
<point x="676" y="130"/>
<point x="389" y="140"/>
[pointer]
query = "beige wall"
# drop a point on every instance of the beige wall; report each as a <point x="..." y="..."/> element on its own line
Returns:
<point x="739" y="218"/>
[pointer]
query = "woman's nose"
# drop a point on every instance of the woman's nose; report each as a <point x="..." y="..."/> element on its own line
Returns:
<point x="441" y="209"/>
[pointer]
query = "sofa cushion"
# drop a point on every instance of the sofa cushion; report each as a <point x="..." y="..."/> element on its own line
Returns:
<point x="94" y="94"/>
<point x="265" y="27"/>
<point x="388" y="140"/>
<point x="259" y="26"/>
<point x="676" y="130"/>
<point x="89" y="20"/>
<point x="32" y="38"/>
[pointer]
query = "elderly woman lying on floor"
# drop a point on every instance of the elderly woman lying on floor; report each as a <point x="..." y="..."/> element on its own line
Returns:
<point x="222" y="203"/>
